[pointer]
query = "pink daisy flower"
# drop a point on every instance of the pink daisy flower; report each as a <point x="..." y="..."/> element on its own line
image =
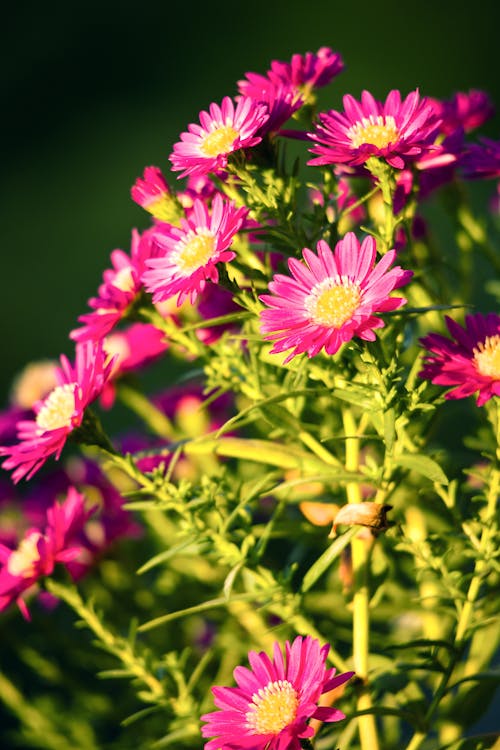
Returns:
<point x="152" y="193"/>
<point x="312" y="70"/>
<point x="38" y="552"/>
<point x="397" y="131"/>
<point x="60" y="412"/>
<point x="193" y="250"/>
<point x="470" y="362"/>
<point x="120" y="288"/>
<point x="332" y="298"/>
<point x="205" y="148"/>
<point x="274" y="700"/>
<point x="280" y="98"/>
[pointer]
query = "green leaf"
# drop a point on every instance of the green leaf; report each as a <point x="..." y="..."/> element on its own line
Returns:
<point x="422" y="465"/>
<point x="325" y="560"/>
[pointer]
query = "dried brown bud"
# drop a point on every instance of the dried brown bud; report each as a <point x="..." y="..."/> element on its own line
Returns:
<point x="369" y="514"/>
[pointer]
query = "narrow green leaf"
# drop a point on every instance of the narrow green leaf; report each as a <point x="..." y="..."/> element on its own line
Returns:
<point x="422" y="465"/>
<point x="325" y="560"/>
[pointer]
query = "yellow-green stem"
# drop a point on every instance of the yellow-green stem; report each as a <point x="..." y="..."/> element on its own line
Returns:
<point x="118" y="646"/>
<point x="361" y="614"/>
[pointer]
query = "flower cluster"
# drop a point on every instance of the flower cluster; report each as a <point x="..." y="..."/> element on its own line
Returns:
<point x="266" y="306"/>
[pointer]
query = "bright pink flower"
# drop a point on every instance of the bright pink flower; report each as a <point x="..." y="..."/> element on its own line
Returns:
<point x="205" y="148"/>
<point x="270" y="708"/>
<point x="192" y="250"/>
<point x="332" y="298"/>
<point x="120" y="288"/>
<point x="311" y="70"/>
<point x="281" y="99"/>
<point x="132" y="349"/>
<point x="153" y="194"/>
<point x="37" y="554"/>
<point x="397" y="131"/>
<point x="60" y="412"/>
<point x="482" y="160"/>
<point x="471" y="362"/>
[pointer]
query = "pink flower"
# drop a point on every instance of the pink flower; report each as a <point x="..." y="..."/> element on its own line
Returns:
<point x="281" y="99"/>
<point x="120" y="288"/>
<point x="397" y="131"/>
<point x="332" y="298"/>
<point x="60" y="412"/>
<point x="193" y="250"/>
<point x="205" y="148"/>
<point x="471" y="362"/>
<point x="466" y="111"/>
<point x="153" y="194"/>
<point x="132" y="349"/>
<point x="311" y="70"/>
<point x="274" y="700"/>
<point x="38" y="552"/>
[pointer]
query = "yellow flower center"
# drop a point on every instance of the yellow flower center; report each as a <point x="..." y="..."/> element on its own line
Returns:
<point x="22" y="561"/>
<point x="273" y="708"/>
<point x="331" y="303"/>
<point x="124" y="280"/>
<point x="58" y="408"/>
<point x="220" y="141"/>
<point x="487" y="357"/>
<point x="195" y="251"/>
<point x="378" y="130"/>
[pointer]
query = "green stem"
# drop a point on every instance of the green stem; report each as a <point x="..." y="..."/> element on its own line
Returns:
<point x="467" y="609"/>
<point x="156" y="420"/>
<point x="119" y="647"/>
<point x="475" y="584"/>
<point x="361" y="614"/>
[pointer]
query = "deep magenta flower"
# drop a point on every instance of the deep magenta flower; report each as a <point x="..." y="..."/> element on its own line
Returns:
<point x="60" y="412"/>
<point x="312" y="70"/>
<point x="205" y="148"/>
<point x="38" y="552"/>
<point x="120" y="288"/>
<point x="192" y="251"/>
<point x="470" y="362"/>
<point x="465" y="111"/>
<point x="332" y="298"/>
<point x="394" y="130"/>
<point x="482" y="160"/>
<point x="274" y="700"/>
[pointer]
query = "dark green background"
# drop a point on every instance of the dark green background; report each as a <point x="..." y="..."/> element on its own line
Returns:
<point x="92" y="92"/>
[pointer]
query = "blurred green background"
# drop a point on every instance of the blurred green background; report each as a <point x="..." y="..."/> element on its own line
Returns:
<point x="95" y="91"/>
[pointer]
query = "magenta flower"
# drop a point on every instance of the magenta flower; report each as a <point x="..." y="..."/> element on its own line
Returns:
<point x="466" y="111"/>
<point x="482" y="160"/>
<point x="332" y="298"/>
<point x="471" y="362"/>
<point x="281" y="99"/>
<point x="205" y="148"/>
<point x="153" y="194"/>
<point x="274" y="700"/>
<point x="132" y="349"/>
<point x="193" y="250"/>
<point x="60" y="412"/>
<point x="312" y="70"/>
<point x="120" y="288"/>
<point x="38" y="552"/>
<point x="397" y="131"/>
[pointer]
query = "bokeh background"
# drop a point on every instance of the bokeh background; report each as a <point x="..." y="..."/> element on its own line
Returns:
<point x="94" y="91"/>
